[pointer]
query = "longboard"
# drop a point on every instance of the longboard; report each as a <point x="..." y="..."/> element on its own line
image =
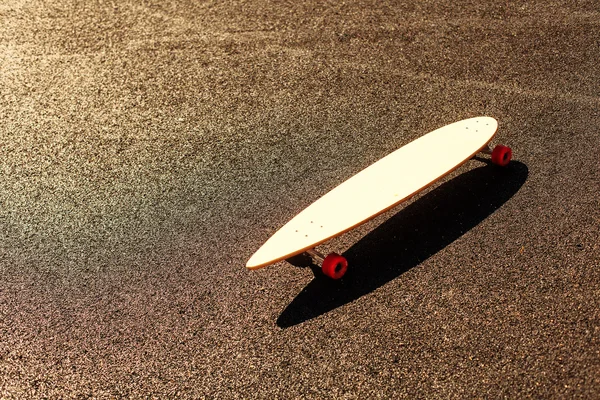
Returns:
<point x="378" y="188"/>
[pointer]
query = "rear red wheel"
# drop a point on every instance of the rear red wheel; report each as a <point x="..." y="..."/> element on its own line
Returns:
<point x="335" y="266"/>
<point x="501" y="155"/>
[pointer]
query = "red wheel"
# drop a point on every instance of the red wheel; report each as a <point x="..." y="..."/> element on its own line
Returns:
<point x="334" y="266"/>
<point x="501" y="155"/>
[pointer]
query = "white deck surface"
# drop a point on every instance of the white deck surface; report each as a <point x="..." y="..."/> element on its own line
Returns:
<point x="378" y="188"/>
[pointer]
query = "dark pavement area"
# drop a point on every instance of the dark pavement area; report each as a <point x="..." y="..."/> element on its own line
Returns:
<point x="149" y="147"/>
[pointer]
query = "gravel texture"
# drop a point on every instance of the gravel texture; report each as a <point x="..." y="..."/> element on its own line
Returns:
<point x="148" y="148"/>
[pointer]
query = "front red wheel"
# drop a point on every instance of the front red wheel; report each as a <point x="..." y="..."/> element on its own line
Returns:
<point x="501" y="155"/>
<point x="335" y="266"/>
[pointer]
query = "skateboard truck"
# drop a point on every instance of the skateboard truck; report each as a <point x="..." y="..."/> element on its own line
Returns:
<point x="487" y="150"/>
<point x="333" y="265"/>
<point x="319" y="257"/>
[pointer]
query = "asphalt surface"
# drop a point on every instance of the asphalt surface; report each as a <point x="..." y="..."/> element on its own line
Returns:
<point x="148" y="148"/>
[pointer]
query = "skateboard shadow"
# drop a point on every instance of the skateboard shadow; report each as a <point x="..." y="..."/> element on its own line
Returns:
<point x="411" y="236"/>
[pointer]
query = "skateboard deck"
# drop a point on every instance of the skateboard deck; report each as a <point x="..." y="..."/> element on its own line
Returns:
<point x="380" y="187"/>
